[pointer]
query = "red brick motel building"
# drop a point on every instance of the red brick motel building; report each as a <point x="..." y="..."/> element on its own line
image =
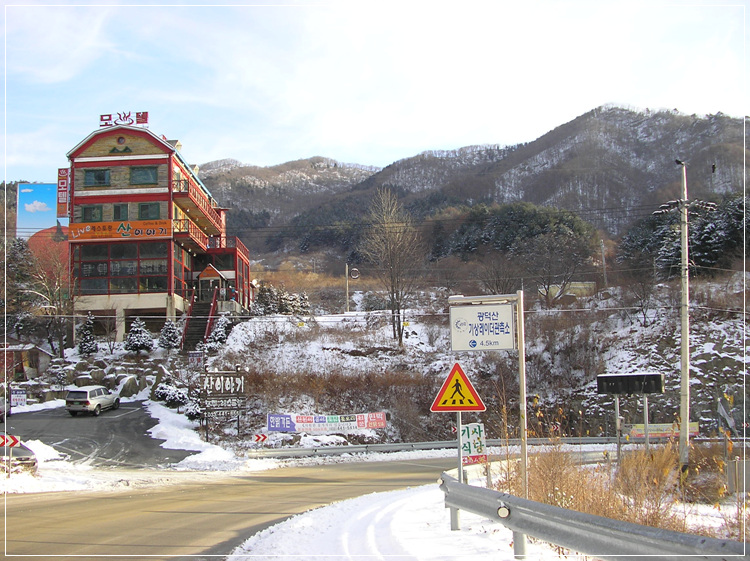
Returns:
<point x="145" y="234"/>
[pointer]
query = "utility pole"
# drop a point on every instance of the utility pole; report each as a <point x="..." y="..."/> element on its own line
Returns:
<point x="684" y="326"/>
<point x="684" y="206"/>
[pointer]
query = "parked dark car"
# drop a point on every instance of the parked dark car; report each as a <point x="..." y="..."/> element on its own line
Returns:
<point x="19" y="458"/>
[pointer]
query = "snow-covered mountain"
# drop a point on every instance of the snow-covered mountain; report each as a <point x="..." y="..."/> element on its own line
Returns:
<point x="610" y="165"/>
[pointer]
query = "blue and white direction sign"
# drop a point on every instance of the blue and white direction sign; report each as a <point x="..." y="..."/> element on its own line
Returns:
<point x="482" y="327"/>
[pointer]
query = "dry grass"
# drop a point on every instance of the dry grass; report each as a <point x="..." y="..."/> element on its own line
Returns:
<point x="644" y="489"/>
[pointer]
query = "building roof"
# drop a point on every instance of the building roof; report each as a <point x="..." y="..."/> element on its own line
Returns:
<point x="109" y="130"/>
<point x="170" y="146"/>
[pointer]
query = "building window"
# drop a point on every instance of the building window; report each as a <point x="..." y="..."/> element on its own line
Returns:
<point x="120" y="211"/>
<point x="121" y="268"/>
<point x="148" y="211"/>
<point x="143" y="176"/>
<point x="91" y="213"/>
<point x="95" y="177"/>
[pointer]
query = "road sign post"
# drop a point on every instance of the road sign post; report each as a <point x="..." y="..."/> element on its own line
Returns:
<point x="457" y="394"/>
<point x="483" y="323"/>
<point x="9" y="441"/>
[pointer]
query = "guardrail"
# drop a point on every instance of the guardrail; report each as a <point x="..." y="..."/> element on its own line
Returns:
<point x="436" y="445"/>
<point x="597" y="536"/>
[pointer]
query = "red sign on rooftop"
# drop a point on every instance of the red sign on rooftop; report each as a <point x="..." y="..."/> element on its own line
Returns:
<point x="124" y="118"/>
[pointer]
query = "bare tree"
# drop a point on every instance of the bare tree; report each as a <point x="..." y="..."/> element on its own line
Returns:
<point x="553" y="259"/>
<point x="51" y="281"/>
<point x="499" y="274"/>
<point x="392" y="244"/>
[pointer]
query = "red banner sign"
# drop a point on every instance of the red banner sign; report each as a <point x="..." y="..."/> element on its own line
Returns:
<point x="62" y="192"/>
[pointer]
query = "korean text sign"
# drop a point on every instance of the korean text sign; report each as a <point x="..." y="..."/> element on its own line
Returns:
<point x="473" y="444"/>
<point x="482" y="327"/>
<point x="290" y="422"/>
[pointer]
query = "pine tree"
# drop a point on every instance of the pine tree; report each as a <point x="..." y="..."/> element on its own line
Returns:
<point x="86" y="341"/>
<point x="139" y="338"/>
<point x="219" y="333"/>
<point x="170" y="337"/>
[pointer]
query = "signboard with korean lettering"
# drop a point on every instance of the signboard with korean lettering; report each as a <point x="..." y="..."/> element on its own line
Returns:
<point x="222" y="394"/>
<point x="195" y="359"/>
<point x="62" y="192"/>
<point x="325" y="424"/>
<point x="473" y="444"/>
<point x="17" y="397"/>
<point x="223" y="383"/>
<point x="129" y="229"/>
<point x="482" y="327"/>
<point x="124" y="118"/>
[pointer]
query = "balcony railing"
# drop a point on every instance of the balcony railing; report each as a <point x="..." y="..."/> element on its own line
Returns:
<point x="199" y="199"/>
<point x="185" y="226"/>
<point x="223" y="242"/>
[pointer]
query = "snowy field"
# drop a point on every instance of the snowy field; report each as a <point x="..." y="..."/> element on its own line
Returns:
<point x="410" y="524"/>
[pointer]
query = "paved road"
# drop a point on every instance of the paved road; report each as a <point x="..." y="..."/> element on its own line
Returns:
<point x="116" y="438"/>
<point x="199" y="519"/>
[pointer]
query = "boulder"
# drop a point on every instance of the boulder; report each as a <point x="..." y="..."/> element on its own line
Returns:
<point x="84" y="380"/>
<point x="129" y="387"/>
<point x="82" y="366"/>
<point x="97" y="374"/>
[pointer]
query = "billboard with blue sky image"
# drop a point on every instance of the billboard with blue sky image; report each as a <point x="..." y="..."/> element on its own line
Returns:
<point x="37" y="208"/>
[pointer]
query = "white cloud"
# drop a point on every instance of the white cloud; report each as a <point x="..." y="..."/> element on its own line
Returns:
<point x="27" y="190"/>
<point x="36" y="206"/>
<point x="364" y="82"/>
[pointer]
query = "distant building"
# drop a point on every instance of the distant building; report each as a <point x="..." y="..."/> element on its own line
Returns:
<point x="23" y="361"/>
<point x="146" y="235"/>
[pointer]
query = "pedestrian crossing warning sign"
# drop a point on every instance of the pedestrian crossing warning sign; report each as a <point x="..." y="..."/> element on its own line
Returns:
<point x="457" y="394"/>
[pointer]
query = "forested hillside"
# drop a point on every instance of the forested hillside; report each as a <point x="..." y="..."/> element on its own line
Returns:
<point x="611" y="166"/>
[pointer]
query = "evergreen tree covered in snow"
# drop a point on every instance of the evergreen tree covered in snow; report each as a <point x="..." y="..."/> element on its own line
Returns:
<point x="715" y="239"/>
<point x="219" y="333"/>
<point x="86" y="341"/>
<point x="139" y="338"/>
<point x="170" y="336"/>
<point x="271" y="300"/>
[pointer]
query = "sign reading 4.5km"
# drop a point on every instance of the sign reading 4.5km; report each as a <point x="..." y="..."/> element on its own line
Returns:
<point x="482" y="328"/>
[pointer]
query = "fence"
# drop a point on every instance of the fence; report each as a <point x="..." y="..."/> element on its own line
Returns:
<point x="597" y="536"/>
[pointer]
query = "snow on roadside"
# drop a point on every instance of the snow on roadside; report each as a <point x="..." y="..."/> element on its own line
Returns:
<point x="408" y="524"/>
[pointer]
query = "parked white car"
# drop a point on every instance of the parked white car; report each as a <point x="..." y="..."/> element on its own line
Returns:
<point x="91" y="399"/>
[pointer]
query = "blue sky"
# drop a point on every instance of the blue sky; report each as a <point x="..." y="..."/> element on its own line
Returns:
<point x="362" y="82"/>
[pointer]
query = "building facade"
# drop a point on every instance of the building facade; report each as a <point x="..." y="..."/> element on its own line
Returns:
<point x="146" y="236"/>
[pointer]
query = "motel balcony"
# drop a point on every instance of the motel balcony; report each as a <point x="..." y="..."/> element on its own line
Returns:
<point x="191" y="199"/>
<point x="224" y="242"/>
<point x="189" y="235"/>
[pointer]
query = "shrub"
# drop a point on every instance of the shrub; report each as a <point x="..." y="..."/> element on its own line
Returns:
<point x="172" y="396"/>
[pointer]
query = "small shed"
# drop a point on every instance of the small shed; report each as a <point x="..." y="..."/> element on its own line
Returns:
<point x="24" y="361"/>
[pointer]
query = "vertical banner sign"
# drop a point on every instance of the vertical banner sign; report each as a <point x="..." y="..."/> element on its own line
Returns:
<point x="482" y="327"/>
<point x="473" y="445"/>
<point x="62" y="192"/>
